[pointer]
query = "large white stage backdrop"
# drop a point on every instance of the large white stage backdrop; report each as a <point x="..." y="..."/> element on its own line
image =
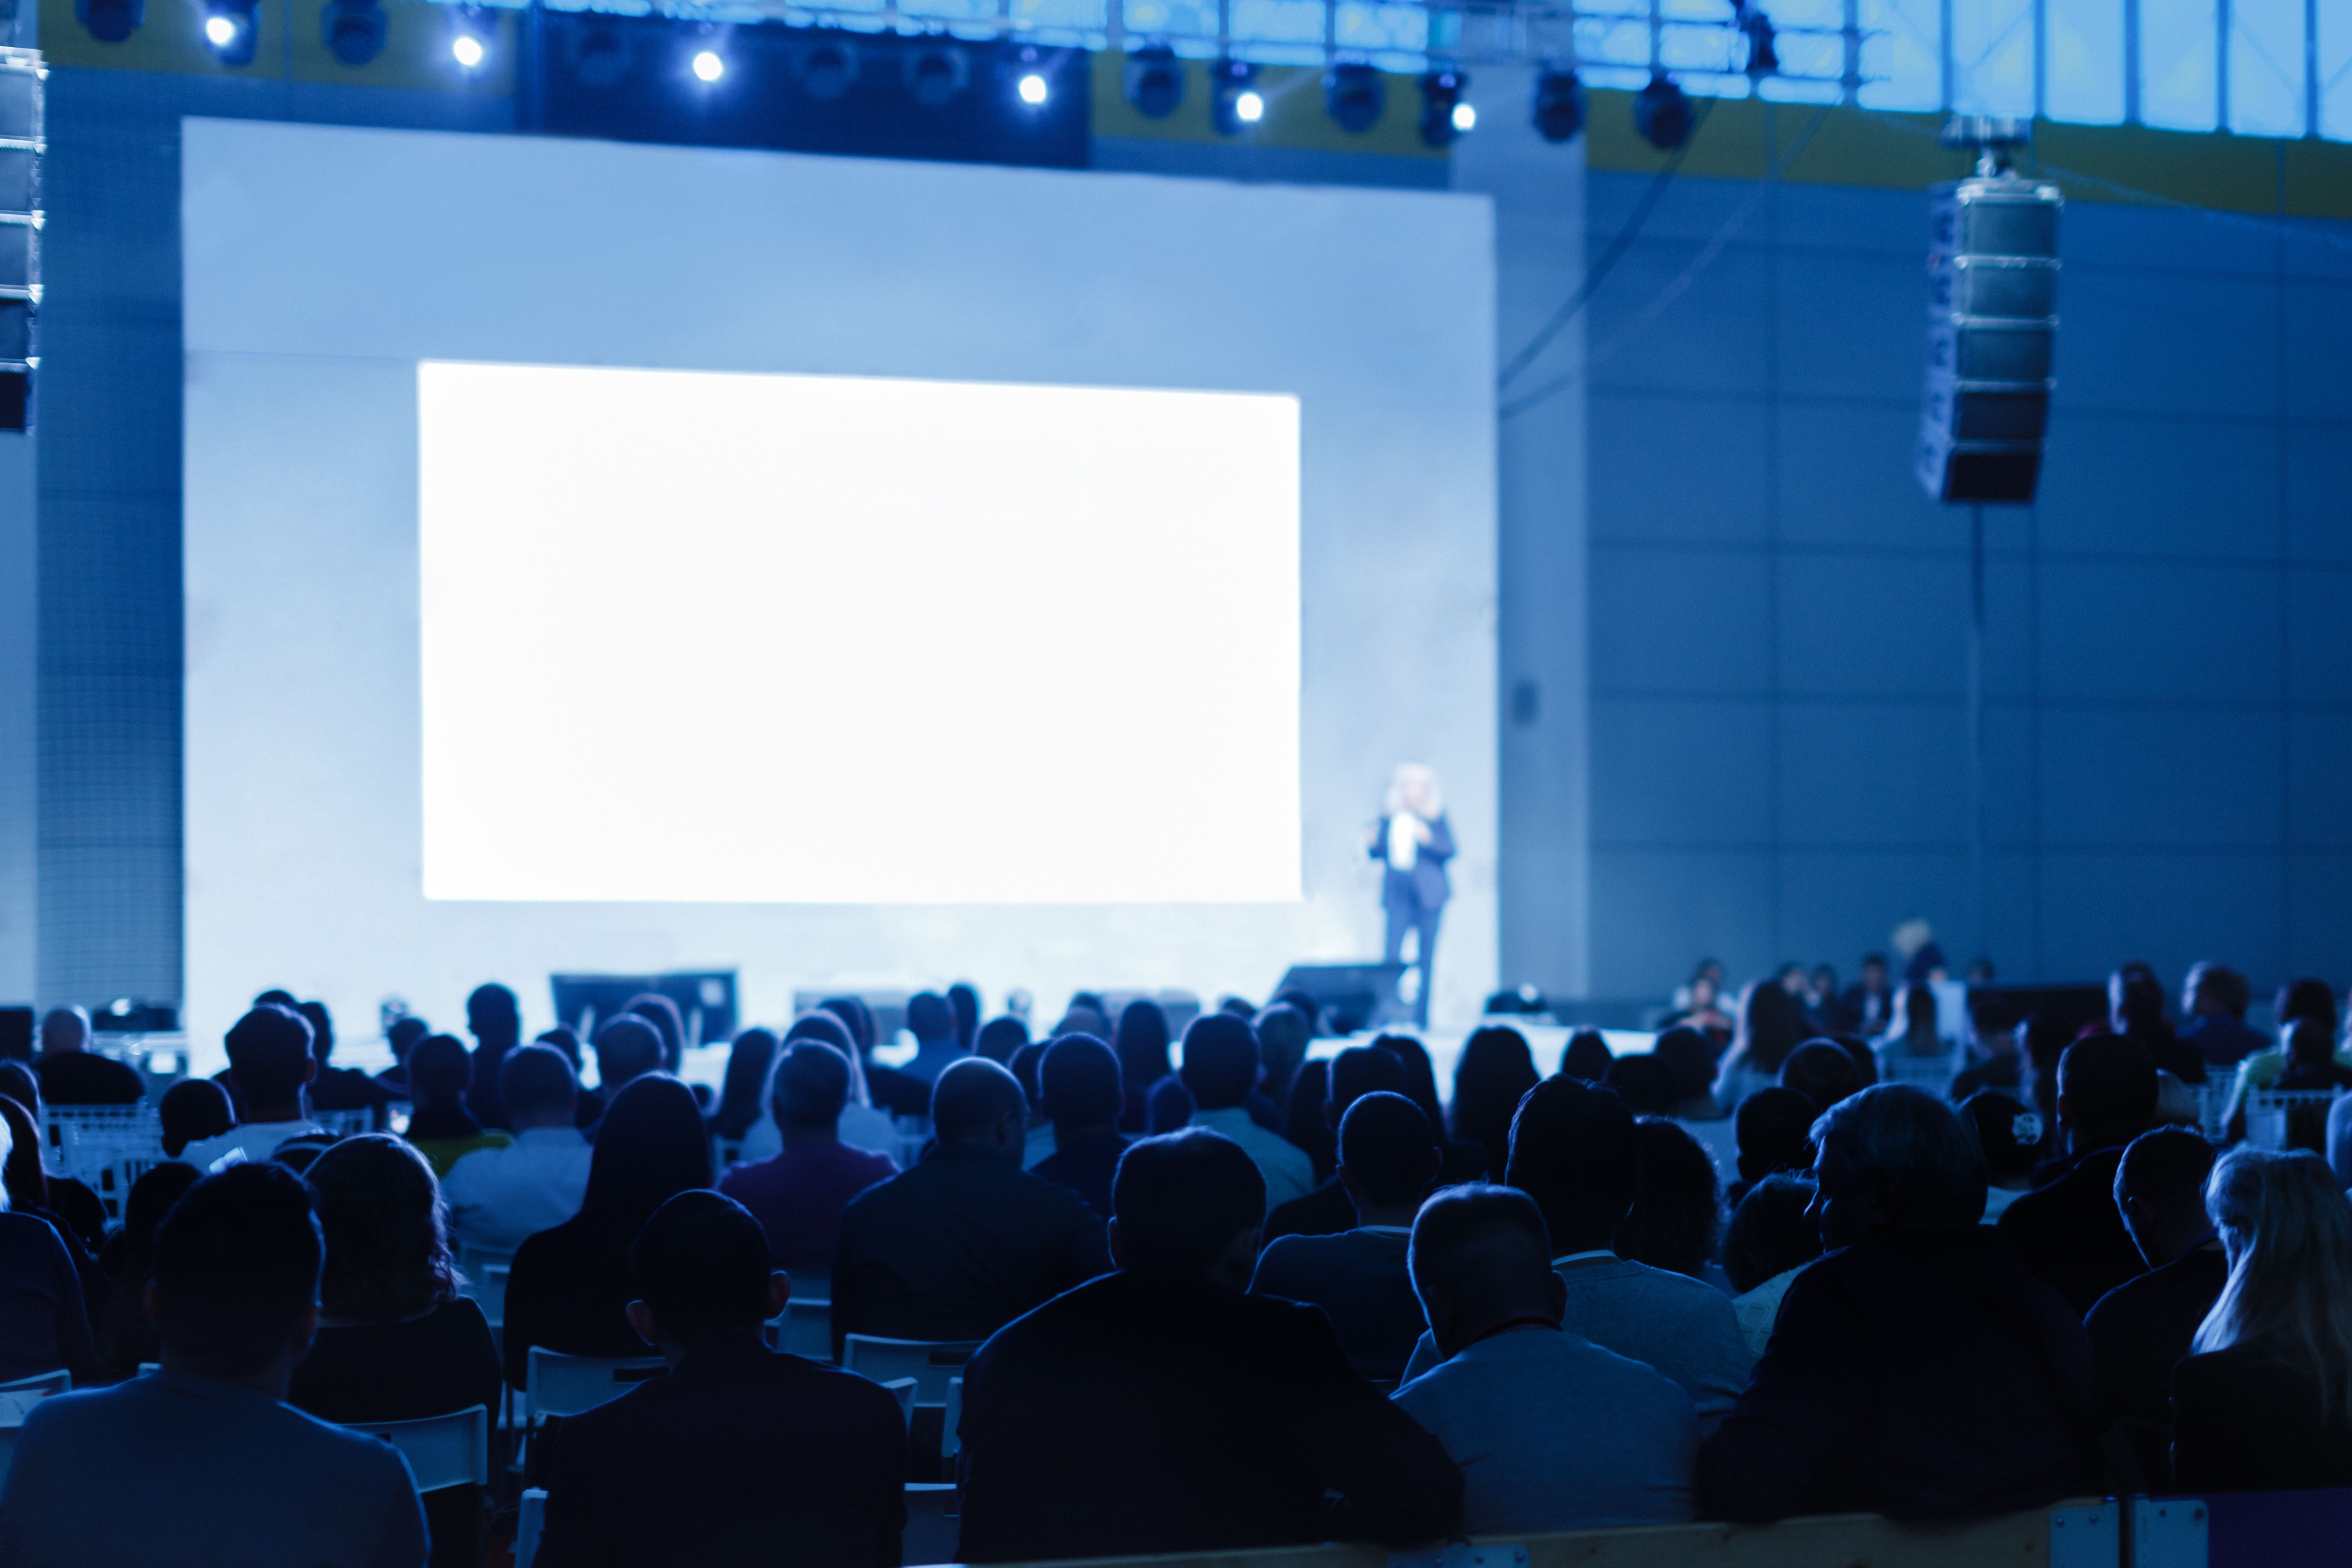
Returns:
<point x="607" y="557"/>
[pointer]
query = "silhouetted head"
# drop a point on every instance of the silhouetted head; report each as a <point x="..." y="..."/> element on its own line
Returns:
<point x="627" y="1047"/>
<point x="977" y="1104"/>
<point x="2107" y="1091"/>
<point x="1079" y="1082"/>
<point x="663" y="1014"/>
<point x="193" y="1109"/>
<point x="1221" y="1061"/>
<point x="1188" y="1202"/>
<point x="1770" y="1025"/>
<point x="439" y="1068"/>
<point x="1823" y="1071"/>
<point x="538" y="1088"/>
<point x="930" y="1020"/>
<point x="650" y="1145"/>
<point x="1692" y="1058"/>
<point x="812" y="1086"/>
<point x="561" y="1039"/>
<point x="1419" y="1074"/>
<point x="1892" y="1160"/>
<point x="703" y="1274"/>
<point x="403" y="1034"/>
<point x="855" y="1016"/>
<point x="999" y="1037"/>
<point x="1573" y="1151"/>
<point x="2306" y="998"/>
<point x="2160" y="1192"/>
<point x="1284" y="1034"/>
<point x="2215" y="990"/>
<point x="1481" y="1257"/>
<point x="1647" y="1086"/>
<point x="1587" y="1056"/>
<point x="235" y="1274"/>
<point x="269" y="1057"/>
<point x="2136" y="1001"/>
<point x="1387" y="1154"/>
<point x="2008" y="1130"/>
<point x="739" y="1093"/>
<point x="380" y="1212"/>
<point x="1142" y="1044"/>
<point x="1494" y="1070"/>
<point x="493" y="1017"/>
<point x="1676" y="1201"/>
<point x="1360" y="1070"/>
<point x="1771" y="1232"/>
<point x="323" y="1029"/>
<point x="1773" y="1127"/>
<point x="963" y="1001"/>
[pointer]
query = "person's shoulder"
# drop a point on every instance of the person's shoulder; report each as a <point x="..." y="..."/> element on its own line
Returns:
<point x="1694" y="1295"/>
<point x="748" y="1177"/>
<point x="809" y="1381"/>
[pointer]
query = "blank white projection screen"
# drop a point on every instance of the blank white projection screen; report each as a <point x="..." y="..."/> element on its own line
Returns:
<point x="701" y="637"/>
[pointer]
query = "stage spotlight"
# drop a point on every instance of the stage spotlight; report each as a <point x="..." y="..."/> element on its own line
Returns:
<point x="1155" y="81"/>
<point x="601" y="54"/>
<point x="1662" y="113"/>
<point x="826" y="69"/>
<point x="474" y="30"/>
<point x="233" y="29"/>
<point x="1442" y="110"/>
<point x="352" y="30"/>
<point x="1763" y="52"/>
<point x="708" y="65"/>
<point x="1560" y="105"/>
<point x="110" y="21"/>
<point x="936" y="73"/>
<point x="1355" y="98"/>
<point x="1234" y="102"/>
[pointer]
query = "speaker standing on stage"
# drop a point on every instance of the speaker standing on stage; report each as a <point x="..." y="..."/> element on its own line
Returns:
<point x="1413" y="840"/>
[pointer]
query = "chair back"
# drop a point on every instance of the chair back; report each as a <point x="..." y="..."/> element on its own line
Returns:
<point x="934" y="1524"/>
<point x="107" y="1147"/>
<point x="902" y="1389"/>
<point x="41" y="1385"/>
<point x="559" y="1385"/>
<point x="930" y="1362"/>
<point x="346" y="1123"/>
<point x="2288" y="1118"/>
<point x="486" y="1271"/>
<point x="805" y="1330"/>
<point x="950" y="1444"/>
<point x="450" y="1450"/>
<point x="529" y="1523"/>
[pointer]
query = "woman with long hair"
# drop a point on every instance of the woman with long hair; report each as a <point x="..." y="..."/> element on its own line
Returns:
<point x="744" y="1089"/>
<point x="2264" y="1403"/>
<point x="1770" y="1025"/>
<point x="395" y="1341"/>
<point x="1141" y="1045"/>
<point x="1913" y="1049"/>
<point x="570" y="1287"/>
<point x="1494" y="1070"/>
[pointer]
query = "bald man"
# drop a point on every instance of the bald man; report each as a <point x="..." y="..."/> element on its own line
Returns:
<point x="73" y="1074"/>
<point x="967" y="1241"/>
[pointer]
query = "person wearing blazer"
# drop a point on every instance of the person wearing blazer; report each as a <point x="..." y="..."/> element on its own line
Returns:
<point x="1413" y="841"/>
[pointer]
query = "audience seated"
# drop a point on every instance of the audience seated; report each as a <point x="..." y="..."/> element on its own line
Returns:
<point x="999" y="1039"/>
<point x="1586" y="1057"/>
<point x="1915" y="1370"/>
<point x="2266" y="1403"/>
<point x="2141" y="1328"/>
<point x="126" y="1336"/>
<point x="2067" y="1231"/>
<point x="1552" y="1431"/>
<point x="740" y="1455"/>
<point x="495" y="1020"/>
<point x="1647" y="1086"/>
<point x="1141" y="1044"/>
<point x="1678" y="1206"/>
<point x="33" y="1193"/>
<point x="2010" y="1136"/>
<point x="73" y="1074"/>
<point x="2311" y="1063"/>
<point x="499" y="1197"/>
<point x="1769" y="1241"/>
<point x="395" y="1341"/>
<point x="1494" y="1072"/>
<point x="1912" y="1049"/>
<point x="269" y="1064"/>
<point x="627" y="1047"/>
<point x="1575" y="1152"/>
<point x="442" y="1127"/>
<point x="1690" y="1056"/>
<point x="2136" y="1010"/>
<point x="1221" y="1068"/>
<point x="1160" y="1409"/>
<point x="1771" y="1023"/>
<point x="1327" y="1210"/>
<point x="1466" y="1161"/>
<point x="744" y="1088"/>
<point x="967" y="1241"/>
<point x="662" y="1013"/>
<point x="863" y="1124"/>
<point x="340" y="1089"/>
<point x="193" y="1109"/>
<point x="1285" y="1031"/>
<point x="1388" y="1158"/>
<point x="401" y="1035"/>
<point x="1773" y="1127"/>
<point x="2297" y="1000"/>
<point x="569" y="1285"/>
<point x="1081" y="1093"/>
<point x="44" y="1322"/>
<point x="1825" y="1071"/>
<point x="937" y="1043"/>
<point x="202" y="1465"/>
<point x="2213" y="1002"/>
<point x="798" y="1195"/>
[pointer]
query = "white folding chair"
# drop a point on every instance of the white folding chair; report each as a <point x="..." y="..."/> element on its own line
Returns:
<point x="902" y="1389"/>
<point x="933" y="1524"/>
<point x="930" y="1362"/>
<point x="949" y="1445"/>
<point x="486" y="1272"/>
<point x="804" y="1330"/>
<point x="2273" y="1114"/>
<point x="558" y="1385"/>
<point x="41" y="1385"/>
<point x="442" y="1450"/>
<point x="528" y="1524"/>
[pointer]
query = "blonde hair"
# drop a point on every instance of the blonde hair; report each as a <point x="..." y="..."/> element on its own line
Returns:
<point x="2287" y="1228"/>
<point x="1401" y="782"/>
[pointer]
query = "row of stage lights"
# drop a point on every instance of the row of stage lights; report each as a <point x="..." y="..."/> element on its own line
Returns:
<point x="1354" y="96"/>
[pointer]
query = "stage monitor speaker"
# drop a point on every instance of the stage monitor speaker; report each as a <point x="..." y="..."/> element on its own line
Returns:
<point x="1993" y="269"/>
<point x="1351" y="996"/>
<point x="705" y="998"/>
